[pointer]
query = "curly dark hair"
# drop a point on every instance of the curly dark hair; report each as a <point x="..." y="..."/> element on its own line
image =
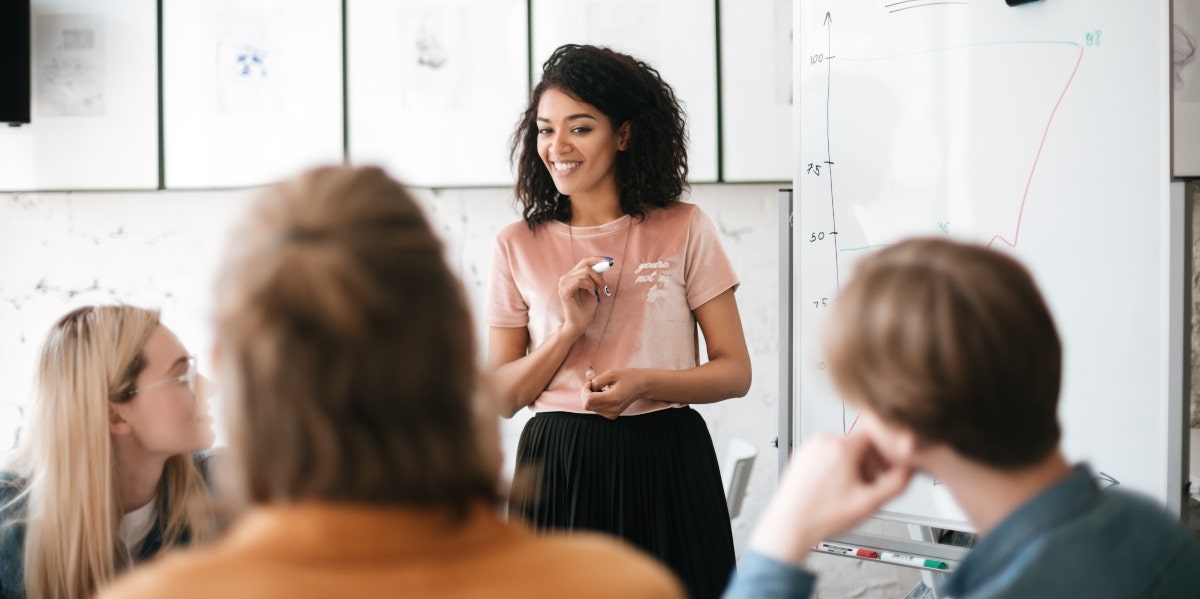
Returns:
<point x="652" y="171"/>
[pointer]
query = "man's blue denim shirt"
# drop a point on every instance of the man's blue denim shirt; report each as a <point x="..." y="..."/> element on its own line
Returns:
<point x="1072" y="540"/>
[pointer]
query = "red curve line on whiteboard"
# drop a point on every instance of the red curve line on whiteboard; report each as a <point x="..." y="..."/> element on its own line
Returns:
<point x="1021" y="212"/>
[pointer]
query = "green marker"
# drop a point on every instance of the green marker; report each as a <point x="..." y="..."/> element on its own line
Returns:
<point x="911" y="560"/>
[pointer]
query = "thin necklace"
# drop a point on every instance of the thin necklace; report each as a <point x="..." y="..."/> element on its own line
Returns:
<point x="590" y="373"/>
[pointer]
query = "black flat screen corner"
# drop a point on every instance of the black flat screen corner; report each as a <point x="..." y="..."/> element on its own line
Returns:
<point x="14" y="61"/>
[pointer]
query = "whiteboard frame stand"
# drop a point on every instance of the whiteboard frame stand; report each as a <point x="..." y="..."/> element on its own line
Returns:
<point x="786" y="437"/>
<point x="933" y="581"/>
<point x="1180" y="273"/>
<point x="1177" y="268"/>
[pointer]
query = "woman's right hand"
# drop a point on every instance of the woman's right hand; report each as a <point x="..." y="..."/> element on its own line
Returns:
<point x="581" y="290"/>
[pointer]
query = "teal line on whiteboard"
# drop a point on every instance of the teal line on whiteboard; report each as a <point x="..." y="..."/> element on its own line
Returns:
<point x="944" y="48"/>
<point x="865" y="247"/>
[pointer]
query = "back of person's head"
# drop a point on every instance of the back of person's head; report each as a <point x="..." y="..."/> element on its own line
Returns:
<point x="652" y="171"/>
<point x="347" y="350"/>
<point x="954" y="341"/>
<point x="90" y="360"/>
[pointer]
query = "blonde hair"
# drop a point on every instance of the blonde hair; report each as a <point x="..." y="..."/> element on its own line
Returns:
<point x="90" y="359"/>
<point x="954" y="341"/>
<point x="347" y="350"/>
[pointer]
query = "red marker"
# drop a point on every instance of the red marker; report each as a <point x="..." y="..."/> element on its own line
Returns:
<point x="839" y="549"/>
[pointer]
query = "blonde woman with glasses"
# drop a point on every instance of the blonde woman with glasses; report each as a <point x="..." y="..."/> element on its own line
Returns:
<point x="106" y="474"/>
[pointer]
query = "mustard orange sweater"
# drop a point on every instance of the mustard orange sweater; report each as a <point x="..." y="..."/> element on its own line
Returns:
<point x="343" y="551"/>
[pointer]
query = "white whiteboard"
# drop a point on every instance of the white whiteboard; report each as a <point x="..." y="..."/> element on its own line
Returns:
<point x="677" y="37"/>
<point x="756" y="88"/>
<point x="94" y="99"/>
<point x="436" y="87"/>
<point x="1041" y="129"/>
<point x="252" y="90"/>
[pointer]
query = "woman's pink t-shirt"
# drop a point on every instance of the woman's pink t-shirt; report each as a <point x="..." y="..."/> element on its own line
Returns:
<point x="675" y="264"/>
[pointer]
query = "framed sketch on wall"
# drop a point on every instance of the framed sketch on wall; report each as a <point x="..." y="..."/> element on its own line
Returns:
<point x="756" y="86"/>
<point x="252" y="90"/>
<point x="677" y="37"/>
<point x="94" y="113"/>
<point x="435" y="87"/>
<point x="1185" y="88"/>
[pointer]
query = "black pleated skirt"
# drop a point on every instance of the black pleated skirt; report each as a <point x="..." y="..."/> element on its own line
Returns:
<point x="651" y="480"/>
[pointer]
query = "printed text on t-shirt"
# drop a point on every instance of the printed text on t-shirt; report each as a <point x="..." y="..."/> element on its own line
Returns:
<point x="647" y="278"/>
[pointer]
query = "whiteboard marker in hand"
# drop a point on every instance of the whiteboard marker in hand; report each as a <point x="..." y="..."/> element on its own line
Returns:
<point x="602" y="267"/>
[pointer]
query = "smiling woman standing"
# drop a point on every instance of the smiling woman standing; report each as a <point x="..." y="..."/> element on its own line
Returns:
<point x="105" y="475"/>
<point x="593" y="307"/>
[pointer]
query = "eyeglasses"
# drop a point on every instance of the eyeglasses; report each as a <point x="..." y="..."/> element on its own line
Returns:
<point x="189" y="378"/>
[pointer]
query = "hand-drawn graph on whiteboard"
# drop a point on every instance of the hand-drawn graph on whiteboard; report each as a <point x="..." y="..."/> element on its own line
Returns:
<point x="1032" y="129"/>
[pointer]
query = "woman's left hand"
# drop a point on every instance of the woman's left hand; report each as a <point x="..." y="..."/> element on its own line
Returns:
<point x="612" y="392"/>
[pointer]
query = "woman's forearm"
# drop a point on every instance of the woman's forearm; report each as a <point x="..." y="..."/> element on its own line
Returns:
<point x="520" y="381"/>
<point x="721" y="378"/>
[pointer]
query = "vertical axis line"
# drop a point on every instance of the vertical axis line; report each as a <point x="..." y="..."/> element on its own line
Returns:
<point x="837" y="272"/>
<point x="837" y="275"/>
